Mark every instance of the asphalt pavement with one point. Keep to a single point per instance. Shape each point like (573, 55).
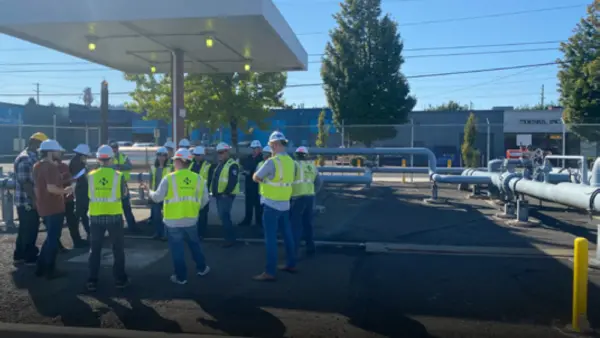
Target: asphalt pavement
(464, 274)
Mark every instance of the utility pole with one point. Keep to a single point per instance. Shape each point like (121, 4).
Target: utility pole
(37, 92)
(542, 97)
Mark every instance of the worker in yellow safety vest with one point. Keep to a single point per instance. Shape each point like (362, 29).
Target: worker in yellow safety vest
(183, 194)
(160, 169)
(277, 176)
(225, 186)
(122, 163)
(202, 167)
(303, 199)
(106, 190)
(266, 153)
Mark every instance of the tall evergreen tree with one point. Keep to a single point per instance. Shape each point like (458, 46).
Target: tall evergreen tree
(361, 71)
(470, 154)
(322, 136)
(579, 76)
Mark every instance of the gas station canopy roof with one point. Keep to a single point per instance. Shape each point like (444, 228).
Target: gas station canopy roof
(133, 36)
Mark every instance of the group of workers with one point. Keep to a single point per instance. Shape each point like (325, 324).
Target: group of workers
(279, 192)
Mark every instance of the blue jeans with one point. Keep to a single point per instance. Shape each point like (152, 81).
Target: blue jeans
(301, 216)
(157, 219)
(272, 220)
(131, 223)
(47, 259)
(177, 238)
(224, 205)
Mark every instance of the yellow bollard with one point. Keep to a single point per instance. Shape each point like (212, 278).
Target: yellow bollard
(403, 174)
(449, 163)
(580, 285)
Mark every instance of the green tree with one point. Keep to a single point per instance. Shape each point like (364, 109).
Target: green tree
(470, 154)
(213, 101)
(579, 76)
(322, 136)
(538, 106)
(449, 106)
(361, 71)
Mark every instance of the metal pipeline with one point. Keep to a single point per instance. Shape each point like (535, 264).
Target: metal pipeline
(380, 151)
(461, 179)
(582, 162)
(595, 179)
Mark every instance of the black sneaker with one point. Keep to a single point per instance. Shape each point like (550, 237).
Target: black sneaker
(122, 284)
(56, 274)
(91, 286)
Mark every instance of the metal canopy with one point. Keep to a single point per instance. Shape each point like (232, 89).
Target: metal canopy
(134, 35)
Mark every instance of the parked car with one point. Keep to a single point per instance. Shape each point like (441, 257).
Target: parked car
(144, 144)
(124, 143)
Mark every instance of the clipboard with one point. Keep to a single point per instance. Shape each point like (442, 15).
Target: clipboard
(79, 174)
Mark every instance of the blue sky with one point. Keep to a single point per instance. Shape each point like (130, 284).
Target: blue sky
(484, 90)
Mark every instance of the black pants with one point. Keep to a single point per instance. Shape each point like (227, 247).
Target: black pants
(81, 212)
(72, 222)
(203, 221)
(253, 207)
(116, 235)
(29, 226)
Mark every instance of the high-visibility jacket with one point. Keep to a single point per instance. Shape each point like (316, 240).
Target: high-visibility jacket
(104, 191)
(185, 192)
(280, 187)
(224, 178)
(204, 169)
(260, 164)
(121, 161)
(304, 180)
(156, 180)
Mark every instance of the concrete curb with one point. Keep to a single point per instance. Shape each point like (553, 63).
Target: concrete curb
(47, 331)
(534, 252)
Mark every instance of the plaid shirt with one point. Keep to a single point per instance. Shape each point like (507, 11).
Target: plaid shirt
(23, 168)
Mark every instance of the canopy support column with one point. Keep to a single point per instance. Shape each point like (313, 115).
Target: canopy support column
(177, 92)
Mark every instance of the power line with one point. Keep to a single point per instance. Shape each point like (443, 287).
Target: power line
(468, 18)
(508, 51)
(53, 70)
(484, 70)
(510, 44)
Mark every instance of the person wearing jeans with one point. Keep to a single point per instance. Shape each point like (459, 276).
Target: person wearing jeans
(275, 178)
(201, 166)
(225, 186)
(106, 190)
(183, 193)
(50, 202)
(303, 197)
(26, 251)
(158, 172)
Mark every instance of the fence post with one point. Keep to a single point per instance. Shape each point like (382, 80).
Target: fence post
(488, 141)
(87, 135)
(54, 126)
(20, 133)
(412, 145)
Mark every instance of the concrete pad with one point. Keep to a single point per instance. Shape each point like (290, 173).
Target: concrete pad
(135, 258)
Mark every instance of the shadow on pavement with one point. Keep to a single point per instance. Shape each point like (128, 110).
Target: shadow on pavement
(340, 292)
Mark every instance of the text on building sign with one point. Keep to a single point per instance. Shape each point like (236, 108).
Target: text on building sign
(540, 121)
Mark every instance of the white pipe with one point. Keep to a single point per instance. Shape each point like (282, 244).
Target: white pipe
(595, 180)
(583, 164)
(461, 179)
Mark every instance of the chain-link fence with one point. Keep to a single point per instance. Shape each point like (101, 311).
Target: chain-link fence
(444, 140)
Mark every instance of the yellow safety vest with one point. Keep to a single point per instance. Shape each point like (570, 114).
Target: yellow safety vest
(156, 180)
(120, 161)
(204, 169)
(260, 164)
(104, 191)
(224, 178)
(304, 182)
(185, 192)
(280, 187)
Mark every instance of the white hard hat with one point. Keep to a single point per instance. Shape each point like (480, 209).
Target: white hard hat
(104, 152)
(266, 149)
(199, 150)
(184, 142)
(82, 149)
(277, 136)
(223, 146)
(302, 150)
(169, 144)
(162, 150)
(255, 144)
(50, 145)
(182, 154)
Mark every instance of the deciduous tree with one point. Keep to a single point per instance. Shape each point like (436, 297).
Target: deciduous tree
(361, 71)
(579, 76)
(449, 106)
